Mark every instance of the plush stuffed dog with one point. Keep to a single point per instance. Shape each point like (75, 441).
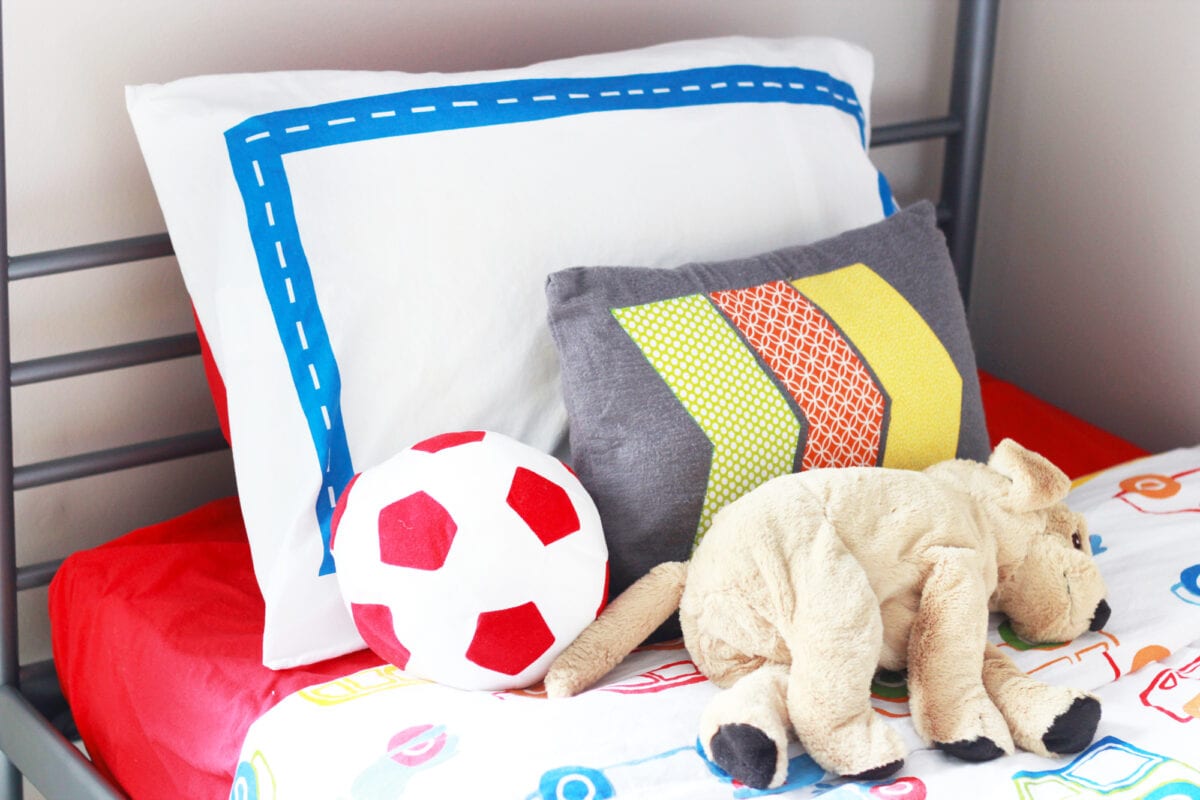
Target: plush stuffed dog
(804, 587)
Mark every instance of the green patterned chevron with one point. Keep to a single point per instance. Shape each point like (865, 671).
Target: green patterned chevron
(753, 430)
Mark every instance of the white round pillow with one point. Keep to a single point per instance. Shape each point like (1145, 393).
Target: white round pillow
(470, 559)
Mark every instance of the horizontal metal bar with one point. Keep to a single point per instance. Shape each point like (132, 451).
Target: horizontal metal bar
(44, 755)
(58, 470)
(101, 254)
(934, 128)
(39, 683)
(32, 576)
(85, 362)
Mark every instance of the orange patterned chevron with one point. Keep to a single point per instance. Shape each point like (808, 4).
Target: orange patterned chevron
(844, 406)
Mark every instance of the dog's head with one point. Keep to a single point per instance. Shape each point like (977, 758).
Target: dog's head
(1052, 591)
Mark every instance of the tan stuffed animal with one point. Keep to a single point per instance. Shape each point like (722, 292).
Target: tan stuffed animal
(807, 585)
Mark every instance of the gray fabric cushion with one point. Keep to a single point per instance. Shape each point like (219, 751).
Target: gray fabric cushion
(687, 387)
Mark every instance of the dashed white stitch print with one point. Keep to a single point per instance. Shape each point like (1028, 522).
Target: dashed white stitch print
(303, 338)
(325, 415)
(279, 252)
(312, 370)
(543, 98)
(270, 214)
(287, 282)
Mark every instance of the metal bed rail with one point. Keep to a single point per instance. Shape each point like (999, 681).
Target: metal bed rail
(30, 697)
(30, 743)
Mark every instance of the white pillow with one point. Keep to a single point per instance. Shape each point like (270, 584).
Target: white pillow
(366, 252)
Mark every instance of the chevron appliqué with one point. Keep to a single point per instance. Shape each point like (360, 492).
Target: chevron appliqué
(753, 431)
(870, 381)
(841, 400)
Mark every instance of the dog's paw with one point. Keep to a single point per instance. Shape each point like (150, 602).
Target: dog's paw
(1050, 720)
(746, 753)
(972, 729)
(978, 749)
(1073, 729)
(878, 773)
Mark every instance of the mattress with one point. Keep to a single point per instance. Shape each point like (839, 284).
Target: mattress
(157, 640)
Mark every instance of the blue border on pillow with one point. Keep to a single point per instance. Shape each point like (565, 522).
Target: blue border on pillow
(257, 146)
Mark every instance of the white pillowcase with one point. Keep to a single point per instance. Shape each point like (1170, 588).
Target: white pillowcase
(366, 251)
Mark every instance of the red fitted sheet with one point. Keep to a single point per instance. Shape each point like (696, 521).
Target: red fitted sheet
(157, 635)
(158, 644)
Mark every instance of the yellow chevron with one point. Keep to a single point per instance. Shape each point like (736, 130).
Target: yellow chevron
(917, 374)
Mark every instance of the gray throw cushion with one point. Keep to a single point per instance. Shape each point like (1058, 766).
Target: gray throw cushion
(687, 387)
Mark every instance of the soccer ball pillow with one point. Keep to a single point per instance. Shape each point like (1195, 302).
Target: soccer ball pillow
(470, 559)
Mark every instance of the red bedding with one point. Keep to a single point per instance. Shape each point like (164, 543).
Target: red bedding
(158, 644)
(157, 635)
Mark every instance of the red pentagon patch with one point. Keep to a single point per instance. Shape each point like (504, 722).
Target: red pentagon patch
(340, 509)
(511, 639)
(374, 623)
(543, 504)
(445, 441)
(415, 531)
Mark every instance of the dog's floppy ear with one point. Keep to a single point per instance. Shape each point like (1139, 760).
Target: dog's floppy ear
(1037, 483)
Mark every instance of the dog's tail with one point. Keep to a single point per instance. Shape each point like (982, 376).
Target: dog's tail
(621, 627)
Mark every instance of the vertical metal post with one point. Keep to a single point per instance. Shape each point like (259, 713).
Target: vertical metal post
(10, 779)
(974, 49)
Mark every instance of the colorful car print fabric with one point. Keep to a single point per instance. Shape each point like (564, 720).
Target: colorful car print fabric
(380, 734)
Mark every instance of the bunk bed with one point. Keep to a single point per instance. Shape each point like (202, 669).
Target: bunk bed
(37, 725)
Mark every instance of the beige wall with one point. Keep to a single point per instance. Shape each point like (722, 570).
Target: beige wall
(1088, 260)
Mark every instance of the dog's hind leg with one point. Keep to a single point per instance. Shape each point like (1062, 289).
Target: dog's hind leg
(744, 729)
(834, 633)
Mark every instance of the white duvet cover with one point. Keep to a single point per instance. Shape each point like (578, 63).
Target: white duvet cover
(380, 734)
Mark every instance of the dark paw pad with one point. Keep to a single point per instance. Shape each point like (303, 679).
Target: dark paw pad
(878, 773)
(746, 753)
(978, 749)
(1073, 729)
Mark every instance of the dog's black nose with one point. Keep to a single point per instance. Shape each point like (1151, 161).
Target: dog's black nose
(1101, 617)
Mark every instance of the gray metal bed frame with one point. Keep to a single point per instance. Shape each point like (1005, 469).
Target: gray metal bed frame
(30, 743)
